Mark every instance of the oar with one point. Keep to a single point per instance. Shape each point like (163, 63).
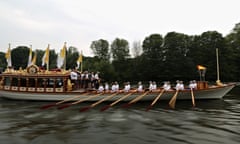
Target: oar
(98, 102)
(193, 99)
(135, 100)
(112, 104)
(155, 100)
(173, 100)
(55, 104)
(79, 101)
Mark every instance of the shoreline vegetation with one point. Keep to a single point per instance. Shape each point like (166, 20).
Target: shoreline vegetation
(157, 58)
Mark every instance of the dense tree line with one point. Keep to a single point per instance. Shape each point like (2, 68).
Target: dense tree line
(174, 56)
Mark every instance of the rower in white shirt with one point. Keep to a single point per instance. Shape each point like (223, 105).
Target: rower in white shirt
(167, 86)
(140, 87)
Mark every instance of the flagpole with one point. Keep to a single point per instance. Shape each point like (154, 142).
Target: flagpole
(217, 64)
(9, 61)
(65, 59)
(81, 63)
(30, 56)
(218, 82)
(48, 57)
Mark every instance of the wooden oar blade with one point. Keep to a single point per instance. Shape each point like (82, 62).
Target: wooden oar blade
(172, 104)
(193, 98)
(173, 100)
(85, 108)
(148, 108)
(105, 107)
(48, 106)
(64, 106)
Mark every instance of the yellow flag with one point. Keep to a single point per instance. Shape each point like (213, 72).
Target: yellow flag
(34, 59)
(45, 58)
(61, 59)
(30, 56)
(8, 53)
(63, 51)
(8, 57)
(79, 60)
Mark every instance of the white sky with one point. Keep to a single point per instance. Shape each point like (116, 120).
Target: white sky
(79, 22)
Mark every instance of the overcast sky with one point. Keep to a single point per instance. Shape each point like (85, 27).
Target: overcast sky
(79, 22)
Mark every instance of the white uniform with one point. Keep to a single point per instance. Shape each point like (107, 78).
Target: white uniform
(179, 86)
(106, 87)
(154, 86)
(113, 88)
(166, 86)
(140, 88)
(100, 89)
(73, 75)
(127, 88)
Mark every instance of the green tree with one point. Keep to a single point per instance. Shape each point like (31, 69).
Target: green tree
(120, 49)
(233, 47)
(203, 51)
(3, 62)
(100, 49)
(150, 63)
(72, 56)
(176, 62)
(20, 57)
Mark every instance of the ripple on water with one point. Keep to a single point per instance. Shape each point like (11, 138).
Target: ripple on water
(209, 122)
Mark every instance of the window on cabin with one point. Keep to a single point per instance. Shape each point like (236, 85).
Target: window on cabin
(31, 82)
(59, 82)
(7, 81)
(23, 82)
(14, 82)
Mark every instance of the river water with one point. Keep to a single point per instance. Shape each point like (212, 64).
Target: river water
(210, 122)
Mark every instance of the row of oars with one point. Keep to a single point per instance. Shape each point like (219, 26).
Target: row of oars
(172, 102)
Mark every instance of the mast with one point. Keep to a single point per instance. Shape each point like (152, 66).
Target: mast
(218, 79)
(65, 58)
(47, 55)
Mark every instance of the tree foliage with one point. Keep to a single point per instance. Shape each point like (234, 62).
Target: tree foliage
(120, 49)
(100, 49)
(174, 56)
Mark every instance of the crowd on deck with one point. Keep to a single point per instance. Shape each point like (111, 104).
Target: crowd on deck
(91, 80)
(86, 80)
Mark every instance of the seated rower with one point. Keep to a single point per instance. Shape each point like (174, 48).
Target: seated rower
(150, 86)
(179, 85)
(100, 88)
(140, 87)
(115, 87)
(106, 87)
(192, 84)
(167, 86)
(127, 87)
(154, 86)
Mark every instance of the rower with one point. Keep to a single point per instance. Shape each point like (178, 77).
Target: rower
(140, 87)
(100, 88)
(167, 86)
(150, 86)
(127, 87)
(193, 84)
(179, 85)
(154, 86)
(106, 87)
